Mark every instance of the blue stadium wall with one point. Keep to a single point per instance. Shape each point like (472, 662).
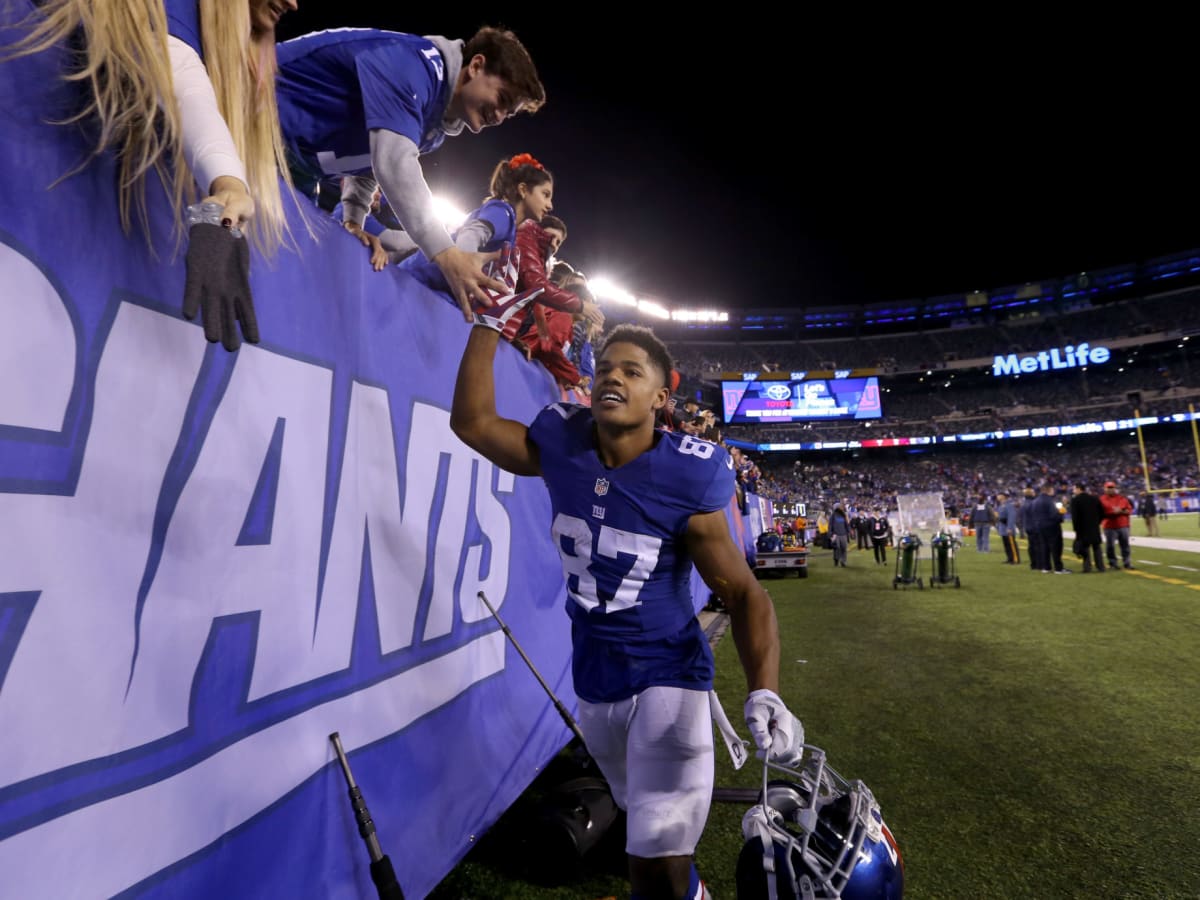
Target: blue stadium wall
(210, 561)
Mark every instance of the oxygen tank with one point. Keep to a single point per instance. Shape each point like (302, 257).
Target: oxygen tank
(941, 543)
(908, 557)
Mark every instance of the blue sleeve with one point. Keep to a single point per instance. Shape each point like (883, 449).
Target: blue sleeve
(183, 22)
(587, 360)
(500, 215)
(373, 226)
(720, 487)
(548, 432)
(398, 86)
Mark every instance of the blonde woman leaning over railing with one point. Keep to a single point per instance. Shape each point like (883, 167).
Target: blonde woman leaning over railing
(184, 89)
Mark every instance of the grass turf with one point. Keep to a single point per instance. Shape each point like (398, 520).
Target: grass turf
(1183, 526)
(1027, 735)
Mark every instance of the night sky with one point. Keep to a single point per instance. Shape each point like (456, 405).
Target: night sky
(843, 160)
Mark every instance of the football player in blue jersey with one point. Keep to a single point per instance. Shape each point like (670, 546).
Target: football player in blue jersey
(365, 102)
(634, 508)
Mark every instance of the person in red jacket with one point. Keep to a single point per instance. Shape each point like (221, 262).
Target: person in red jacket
(547, 330)
(1117, 510)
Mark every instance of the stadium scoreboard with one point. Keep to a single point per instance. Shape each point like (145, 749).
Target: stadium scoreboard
(754, 402)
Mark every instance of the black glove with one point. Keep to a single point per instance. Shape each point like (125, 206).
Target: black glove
(218, 285)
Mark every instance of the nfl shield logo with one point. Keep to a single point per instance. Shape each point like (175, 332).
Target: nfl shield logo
(601, 487)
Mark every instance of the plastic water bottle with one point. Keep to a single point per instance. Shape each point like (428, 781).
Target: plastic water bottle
(208, 212)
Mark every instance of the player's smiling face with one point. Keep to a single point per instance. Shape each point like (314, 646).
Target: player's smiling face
(629, 388)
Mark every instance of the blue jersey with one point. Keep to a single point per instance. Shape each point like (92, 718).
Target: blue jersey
(622, 536)
(335, 86)
(503, 221)
(183, 22)
(587, 360)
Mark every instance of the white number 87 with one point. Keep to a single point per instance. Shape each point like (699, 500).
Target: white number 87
(612, 541)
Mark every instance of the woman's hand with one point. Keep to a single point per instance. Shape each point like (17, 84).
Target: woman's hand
(234, 197)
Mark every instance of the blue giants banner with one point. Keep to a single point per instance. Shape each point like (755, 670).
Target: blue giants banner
(210, 561)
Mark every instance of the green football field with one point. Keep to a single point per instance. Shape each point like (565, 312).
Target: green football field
(1027, 735)
(1185, 526)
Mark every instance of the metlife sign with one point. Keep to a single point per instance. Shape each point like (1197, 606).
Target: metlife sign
(1069, 357)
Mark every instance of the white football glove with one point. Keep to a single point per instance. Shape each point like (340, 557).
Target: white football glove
(773, 728)
(496, 317)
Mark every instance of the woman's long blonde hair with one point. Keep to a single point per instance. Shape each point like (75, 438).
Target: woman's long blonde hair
(131, 101)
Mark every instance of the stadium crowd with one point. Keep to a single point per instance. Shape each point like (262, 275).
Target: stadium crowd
(980, 338)
(873, 479)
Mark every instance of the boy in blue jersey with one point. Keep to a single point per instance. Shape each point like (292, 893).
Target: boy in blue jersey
(359, 101)
(634, 508)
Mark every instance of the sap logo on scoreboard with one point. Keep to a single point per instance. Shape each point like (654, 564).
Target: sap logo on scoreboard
(778, 391)
(1070, 357)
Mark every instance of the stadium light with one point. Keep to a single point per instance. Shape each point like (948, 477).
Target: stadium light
(654, 309)
(448, 213)
(604, 289)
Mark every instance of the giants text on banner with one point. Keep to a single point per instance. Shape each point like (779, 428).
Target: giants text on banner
(211, 561)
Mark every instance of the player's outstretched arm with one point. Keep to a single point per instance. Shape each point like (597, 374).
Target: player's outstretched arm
(752, 616)
(474, 418)
(775, 730)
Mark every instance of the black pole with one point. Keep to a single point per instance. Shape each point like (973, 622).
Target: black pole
(558, 704)
(724, 795)
(382, 872)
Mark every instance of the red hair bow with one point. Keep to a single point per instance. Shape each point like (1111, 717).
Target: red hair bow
(524, 159)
